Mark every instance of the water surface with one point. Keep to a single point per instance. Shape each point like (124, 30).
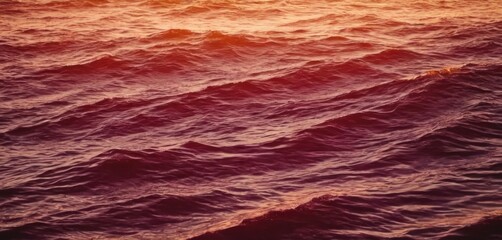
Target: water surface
(166, 119)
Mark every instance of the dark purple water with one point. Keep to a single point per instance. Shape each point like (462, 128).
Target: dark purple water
(162, 119)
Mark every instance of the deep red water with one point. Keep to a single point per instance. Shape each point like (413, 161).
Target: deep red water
(170, 119)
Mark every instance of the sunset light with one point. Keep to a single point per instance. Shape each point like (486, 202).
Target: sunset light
(251, 120)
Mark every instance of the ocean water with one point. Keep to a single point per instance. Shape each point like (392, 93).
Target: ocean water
(250, 120)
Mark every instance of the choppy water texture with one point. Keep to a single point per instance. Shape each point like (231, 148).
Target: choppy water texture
(170, 119)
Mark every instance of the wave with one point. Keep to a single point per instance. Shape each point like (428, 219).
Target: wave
(391, 56)
(478, 47)
(456, 137)
(39, 47)
(329, 19)
(205, 7)
(105, 63)
(168, 209)
(172, 34)
(157, 59)
(74, 4)
(127, 168)
(302, 222)
(329, 217)
(485, 228)
(216, 39)
(412, 106)
(127, 64)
